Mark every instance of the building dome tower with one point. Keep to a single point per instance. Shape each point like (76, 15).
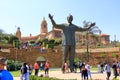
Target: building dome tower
(18, 33)
(43, 27)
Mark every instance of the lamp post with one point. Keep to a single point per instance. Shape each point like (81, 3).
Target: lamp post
(115, 40)
(87, 46)
(16, 45)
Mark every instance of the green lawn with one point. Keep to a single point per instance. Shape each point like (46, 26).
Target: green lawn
(17, 73)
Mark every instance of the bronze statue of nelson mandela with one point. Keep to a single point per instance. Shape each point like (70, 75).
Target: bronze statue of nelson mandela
(68, 38)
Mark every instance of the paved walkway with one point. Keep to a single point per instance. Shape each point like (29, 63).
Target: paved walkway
(70, 76)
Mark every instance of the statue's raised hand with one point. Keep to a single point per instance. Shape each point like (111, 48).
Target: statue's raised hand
(50, 16)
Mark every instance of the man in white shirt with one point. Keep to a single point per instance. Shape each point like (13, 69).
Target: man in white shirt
(88, 67)
(108, 71)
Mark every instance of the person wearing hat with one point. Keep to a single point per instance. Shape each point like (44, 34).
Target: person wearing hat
(4, 74)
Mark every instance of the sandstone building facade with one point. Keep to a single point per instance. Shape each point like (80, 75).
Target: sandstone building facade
(57, 33)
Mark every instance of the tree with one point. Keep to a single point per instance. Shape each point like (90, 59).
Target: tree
(12, 38)
(92, 30)
(1, 35)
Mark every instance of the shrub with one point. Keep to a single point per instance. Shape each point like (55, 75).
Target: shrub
(14, 65)
(50, 46)
(115, 55)
(32, 77)
(103, 55)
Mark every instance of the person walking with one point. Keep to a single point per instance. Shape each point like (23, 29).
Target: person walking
(108, 71)
(80, 65)
(75, 67)
(68, 38)
(118, 68)
(88, 67)
(30, 69)
(65, 67)
(114, 67)
(36, 68)
(47, 66)
(84, 73)
(99, 67)
(24, 74)
(4, 74)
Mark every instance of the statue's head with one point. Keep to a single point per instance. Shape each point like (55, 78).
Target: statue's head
(69, 18)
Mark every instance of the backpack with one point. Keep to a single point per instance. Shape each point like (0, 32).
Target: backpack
(25, 69)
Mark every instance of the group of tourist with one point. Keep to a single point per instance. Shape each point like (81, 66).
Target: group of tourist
(116, 68)
(102, 68)
(106, 68)
(43, 66)
(84, 69)
(28, 46)
(26, 69)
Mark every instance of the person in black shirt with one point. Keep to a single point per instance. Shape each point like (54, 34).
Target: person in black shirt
(114, 67)
(84, 73)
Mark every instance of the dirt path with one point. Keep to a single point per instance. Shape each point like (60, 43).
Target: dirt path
(69, 76)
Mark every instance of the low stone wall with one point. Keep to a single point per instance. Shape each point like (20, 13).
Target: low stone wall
(55, 57)
(31, 56)
(96, 57)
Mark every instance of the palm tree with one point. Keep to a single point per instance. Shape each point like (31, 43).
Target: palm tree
(92, 31)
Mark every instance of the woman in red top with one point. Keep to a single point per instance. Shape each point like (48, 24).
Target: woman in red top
(47, 66)
(36, 68)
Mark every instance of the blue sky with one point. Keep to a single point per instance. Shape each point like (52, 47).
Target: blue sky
(28, 14)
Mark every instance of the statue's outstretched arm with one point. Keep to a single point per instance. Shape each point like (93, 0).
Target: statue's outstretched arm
(59, 26)
(51, 18)
(85, 29)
